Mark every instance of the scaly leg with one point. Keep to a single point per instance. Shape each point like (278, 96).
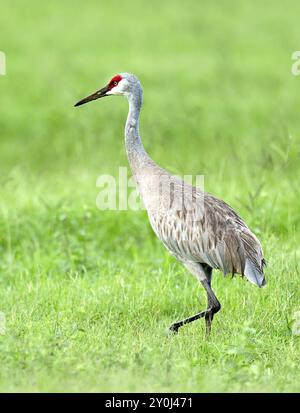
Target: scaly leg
(203, 273)
(213, 306)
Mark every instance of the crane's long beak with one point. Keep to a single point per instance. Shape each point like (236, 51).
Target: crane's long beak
(99, 94)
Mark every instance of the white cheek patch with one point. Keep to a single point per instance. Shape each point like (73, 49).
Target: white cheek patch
(114, 91)
(119, 89)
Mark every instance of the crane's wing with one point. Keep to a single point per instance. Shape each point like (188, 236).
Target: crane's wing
(207, 230)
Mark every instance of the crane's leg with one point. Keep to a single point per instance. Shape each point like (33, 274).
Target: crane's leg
(203, 274)
(213, 305)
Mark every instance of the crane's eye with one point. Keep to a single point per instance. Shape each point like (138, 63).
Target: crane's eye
(115, 83)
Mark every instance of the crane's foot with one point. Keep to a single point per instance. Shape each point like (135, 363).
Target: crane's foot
(175, 326)
(208, 314)
(208, 320)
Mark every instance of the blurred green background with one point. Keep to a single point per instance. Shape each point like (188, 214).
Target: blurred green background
(88, 294)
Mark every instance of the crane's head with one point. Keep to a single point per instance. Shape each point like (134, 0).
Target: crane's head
(123, 84)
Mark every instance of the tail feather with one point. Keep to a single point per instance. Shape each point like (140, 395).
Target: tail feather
(254, 274)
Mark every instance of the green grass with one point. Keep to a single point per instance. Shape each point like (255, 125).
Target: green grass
(88, 294)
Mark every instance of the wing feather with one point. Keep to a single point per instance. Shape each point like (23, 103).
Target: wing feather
(216, 236)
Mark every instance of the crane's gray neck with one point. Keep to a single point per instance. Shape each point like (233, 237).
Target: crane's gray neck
(136, 153)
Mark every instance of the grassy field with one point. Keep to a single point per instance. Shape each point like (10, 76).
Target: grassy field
(87, 294)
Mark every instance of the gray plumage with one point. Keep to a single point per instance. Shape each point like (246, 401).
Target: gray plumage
(201, 231)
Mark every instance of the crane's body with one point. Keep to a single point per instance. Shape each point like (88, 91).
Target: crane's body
(201, 231)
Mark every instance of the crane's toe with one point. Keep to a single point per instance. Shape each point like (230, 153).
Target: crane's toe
(174, 328)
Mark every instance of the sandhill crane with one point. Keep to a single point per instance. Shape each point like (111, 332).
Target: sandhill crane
(202, 232)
